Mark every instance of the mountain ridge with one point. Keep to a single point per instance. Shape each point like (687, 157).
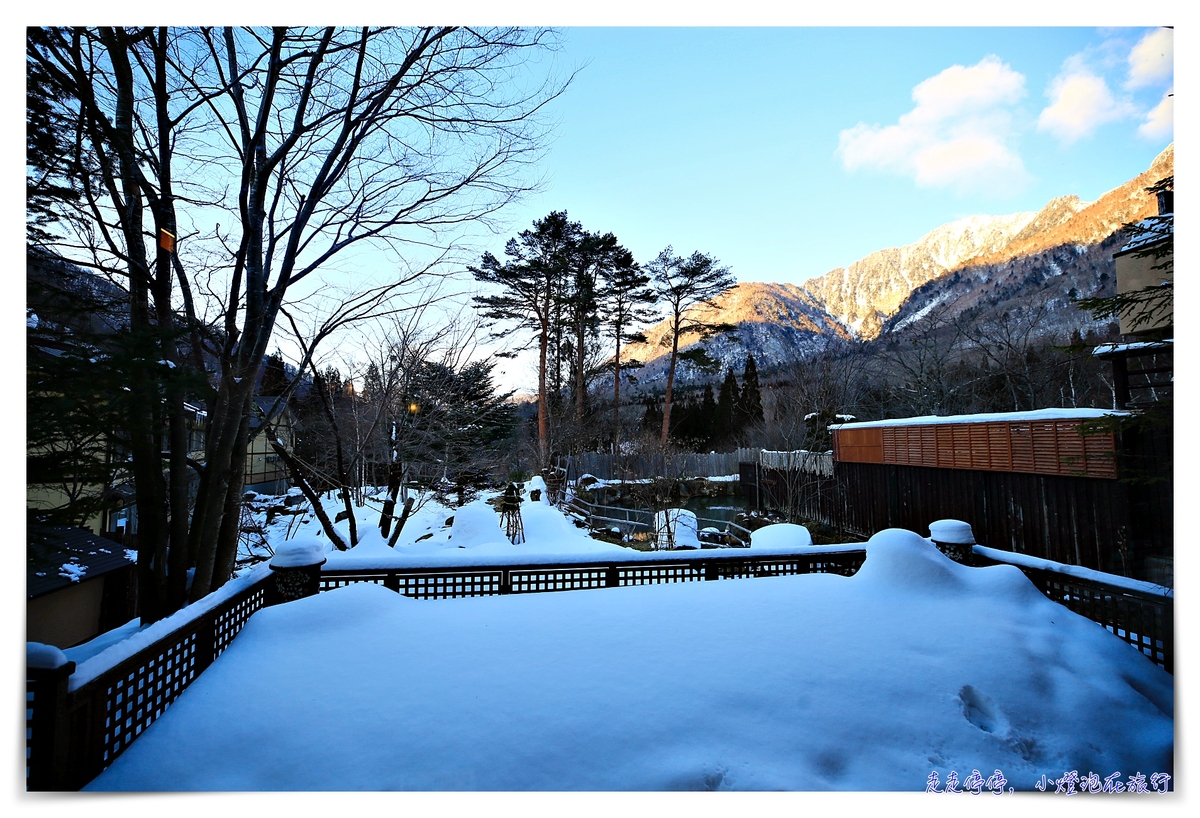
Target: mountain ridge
(876, 293)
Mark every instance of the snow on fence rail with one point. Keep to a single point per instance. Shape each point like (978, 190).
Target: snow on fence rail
(76, 727)
(1139, 613)
(640, 568)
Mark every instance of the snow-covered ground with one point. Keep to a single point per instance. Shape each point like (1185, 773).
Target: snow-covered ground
(871, 682)
(475, 533)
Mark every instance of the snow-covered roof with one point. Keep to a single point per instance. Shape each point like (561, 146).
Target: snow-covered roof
(58, 556)
(1150, 231)
(987, 417)
(1135, 346)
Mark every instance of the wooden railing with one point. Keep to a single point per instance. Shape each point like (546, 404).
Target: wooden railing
(448, 583)
(72, 735)
(1144, 620)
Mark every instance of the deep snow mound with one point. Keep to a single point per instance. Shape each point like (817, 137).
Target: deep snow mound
(476, 524)
(780, 535)
(899, 558)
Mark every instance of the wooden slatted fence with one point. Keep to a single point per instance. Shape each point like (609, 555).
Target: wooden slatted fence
(1056, 447)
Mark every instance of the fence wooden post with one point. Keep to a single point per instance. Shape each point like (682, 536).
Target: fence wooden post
(47, 720)
(612, 578)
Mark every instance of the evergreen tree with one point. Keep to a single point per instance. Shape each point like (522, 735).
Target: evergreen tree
(685, 422)
(708, 413)
(533, 281)
(681, 284)
(749, 408)
(593, 259)
(725, 422)
(274, 378)
(653, 417)
(373, 385)
(625, 302)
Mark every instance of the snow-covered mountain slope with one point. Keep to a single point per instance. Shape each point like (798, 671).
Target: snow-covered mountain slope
(868, 292)
(773, 322)
(1051, 266)
(1056, 253)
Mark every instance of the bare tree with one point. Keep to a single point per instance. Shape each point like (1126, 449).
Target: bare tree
(222, 169)
(917, 369)
(1010, 344)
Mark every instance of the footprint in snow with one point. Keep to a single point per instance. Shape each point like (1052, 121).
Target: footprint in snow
(981, 711)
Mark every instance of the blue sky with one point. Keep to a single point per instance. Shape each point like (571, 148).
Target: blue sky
(787, 152)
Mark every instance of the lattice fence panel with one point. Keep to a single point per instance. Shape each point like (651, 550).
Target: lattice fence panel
(227, 623)
(557, 579)
(655, 574)
(30, 704)
(328, 583)
(139, 696)
(1139, 623)
(450, 586)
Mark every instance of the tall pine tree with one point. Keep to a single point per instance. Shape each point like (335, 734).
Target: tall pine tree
(749, 408)
(725, 424)
(684, 283)
(532, 282)
(625, 303)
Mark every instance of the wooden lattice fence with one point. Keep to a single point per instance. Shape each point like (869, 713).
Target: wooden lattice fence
(72, 735)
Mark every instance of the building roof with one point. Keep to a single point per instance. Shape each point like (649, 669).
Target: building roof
(1133, 348)
(58, 556)
(987, 417)
(1148, 232)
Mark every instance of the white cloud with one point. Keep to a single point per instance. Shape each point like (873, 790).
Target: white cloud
(1080, 102)
(957, 135)
(1152, 60)
(1160, 122)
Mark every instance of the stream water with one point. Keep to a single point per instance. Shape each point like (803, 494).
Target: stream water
(720, 509)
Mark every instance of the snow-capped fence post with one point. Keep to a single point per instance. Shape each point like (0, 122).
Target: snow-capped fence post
(297, 571)
(47, 726)
(955, 539)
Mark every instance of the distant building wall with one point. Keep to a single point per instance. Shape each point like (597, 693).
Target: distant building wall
(1136, 271)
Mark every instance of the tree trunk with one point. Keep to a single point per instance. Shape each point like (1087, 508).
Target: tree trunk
(579, 390)
(666, 427)
(145, 417)
(616, 433)
(408, 504)
(543, 412)
(231, 523)
(314, 499)
(389, 505)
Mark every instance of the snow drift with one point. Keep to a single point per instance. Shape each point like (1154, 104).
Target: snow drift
(916, 664)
